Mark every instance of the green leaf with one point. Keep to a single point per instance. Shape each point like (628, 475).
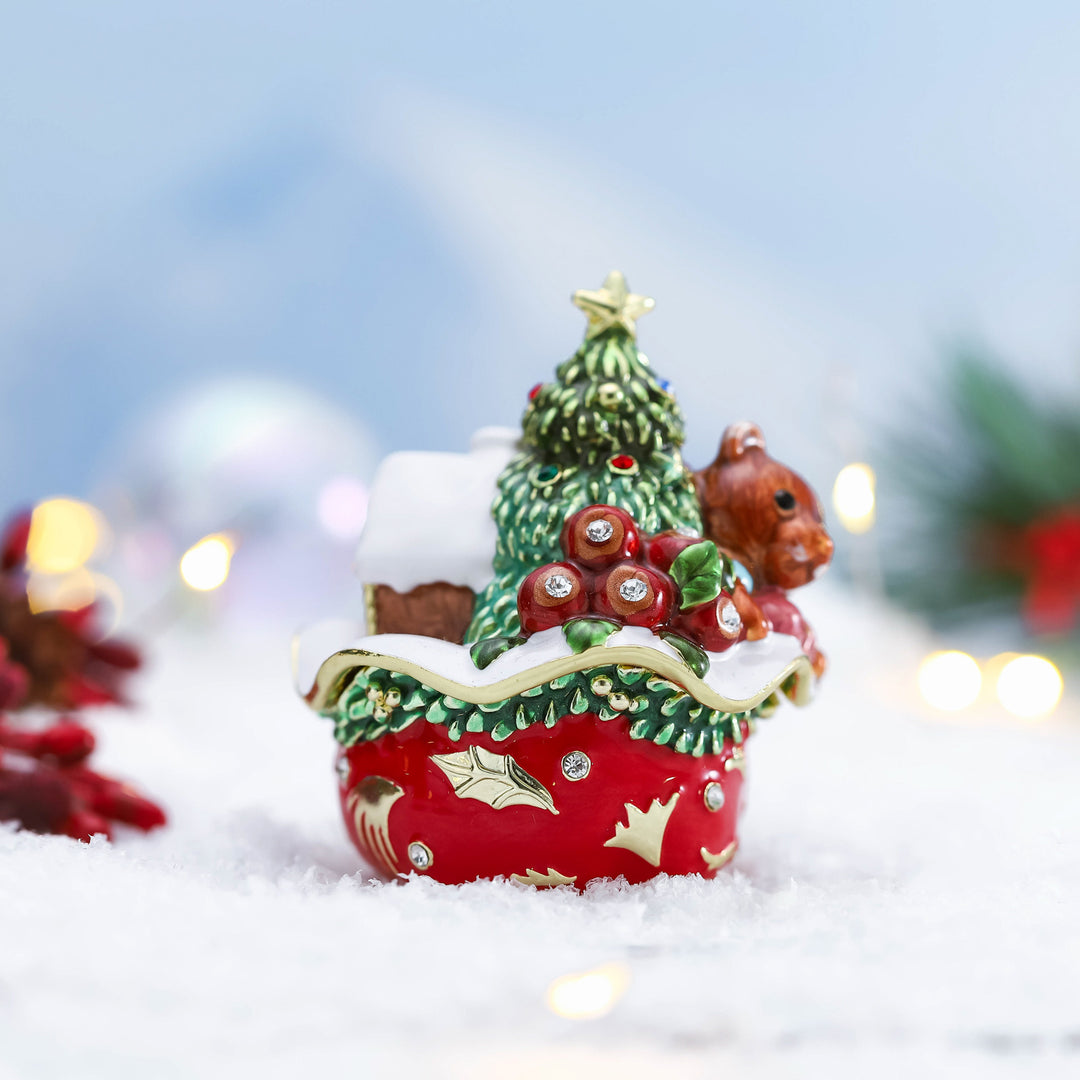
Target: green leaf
(416, 700)
(582, 634)
(673, 704)
(437, 712)
(694, 656)
(483, 652)
(698, 571)
(579, 703)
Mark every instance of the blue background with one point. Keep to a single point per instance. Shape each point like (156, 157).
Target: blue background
(389, 204)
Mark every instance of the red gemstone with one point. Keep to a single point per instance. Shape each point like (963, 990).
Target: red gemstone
(623, 461)
(535, 390)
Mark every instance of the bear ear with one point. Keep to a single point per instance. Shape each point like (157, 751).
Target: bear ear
(738, 438)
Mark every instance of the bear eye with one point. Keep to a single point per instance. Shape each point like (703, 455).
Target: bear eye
(784, 500)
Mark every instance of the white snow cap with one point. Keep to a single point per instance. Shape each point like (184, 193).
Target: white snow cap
(742, 672)
(429, 517)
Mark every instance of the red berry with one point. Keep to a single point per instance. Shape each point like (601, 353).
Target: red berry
(39, 800)
(66, 741)
(550, 596)
(664, 548)
(600, 536)
(635, 595)
(84, 825)
(714, 625)
(535, 390)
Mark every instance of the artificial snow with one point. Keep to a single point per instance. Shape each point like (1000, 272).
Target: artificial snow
(429, 515)
(904, 903)
(747, 670)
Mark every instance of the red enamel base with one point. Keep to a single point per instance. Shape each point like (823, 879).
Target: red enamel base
(467, 838)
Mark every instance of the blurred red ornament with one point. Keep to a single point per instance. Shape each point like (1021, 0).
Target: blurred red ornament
(1052, 600)
(51, 660)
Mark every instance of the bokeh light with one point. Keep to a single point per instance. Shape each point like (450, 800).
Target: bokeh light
(342, 507)
(949, 680)
(854, 498)
(588, 994)
(1030, 686)
(61, 592)
(205, 565)
(63, 535)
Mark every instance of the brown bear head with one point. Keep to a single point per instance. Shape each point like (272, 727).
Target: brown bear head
(761, 513)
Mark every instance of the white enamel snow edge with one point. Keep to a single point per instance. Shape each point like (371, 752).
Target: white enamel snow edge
(739, 674)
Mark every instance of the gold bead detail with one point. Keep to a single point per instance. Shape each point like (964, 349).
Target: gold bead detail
(610, 395)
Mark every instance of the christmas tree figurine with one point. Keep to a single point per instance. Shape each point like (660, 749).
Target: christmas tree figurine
(607, 430)
(559, 685)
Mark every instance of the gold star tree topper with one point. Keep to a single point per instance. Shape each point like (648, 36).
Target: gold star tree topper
(612, 305)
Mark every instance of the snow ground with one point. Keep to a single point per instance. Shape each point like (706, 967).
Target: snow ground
(905, 902)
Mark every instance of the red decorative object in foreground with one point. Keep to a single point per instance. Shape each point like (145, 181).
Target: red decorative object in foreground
(630, 626)
(50, 660)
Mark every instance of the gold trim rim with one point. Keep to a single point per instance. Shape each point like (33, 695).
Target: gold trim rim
(336, 671)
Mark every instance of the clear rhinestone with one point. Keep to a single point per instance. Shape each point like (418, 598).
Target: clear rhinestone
(686, 530)
(729, 618)
(576, 765)
(599, 531)
(558, 586)
(714, 796)
(633, 589)
(420, 855)
(343, 769)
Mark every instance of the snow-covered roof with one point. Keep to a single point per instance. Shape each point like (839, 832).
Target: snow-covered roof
(429, 515)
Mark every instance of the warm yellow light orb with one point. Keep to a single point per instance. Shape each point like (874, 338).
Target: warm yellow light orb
(67, 592)
(63, 535)
(205, 565)
(854, 498)
(589, 994)
(949, 680)
(1030, 686)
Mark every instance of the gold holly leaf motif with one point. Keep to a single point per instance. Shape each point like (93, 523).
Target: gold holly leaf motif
(370, 803)
(736, 761)
(552, 877)
(716, 861)
(495, 779)
(643, 834)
